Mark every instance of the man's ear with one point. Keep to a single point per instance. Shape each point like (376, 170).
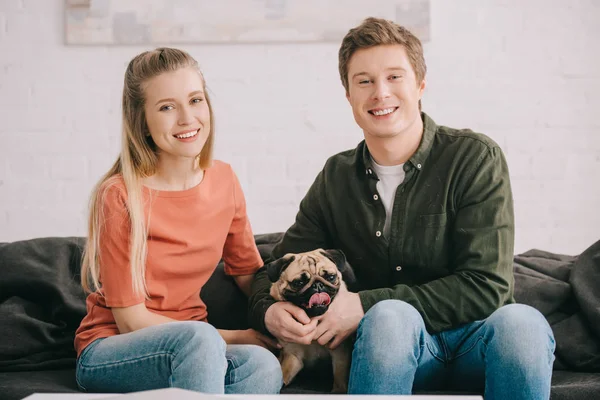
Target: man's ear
(339, 259)
(275, 268)
(422, 87)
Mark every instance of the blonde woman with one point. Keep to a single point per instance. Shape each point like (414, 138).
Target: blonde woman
(160, 221)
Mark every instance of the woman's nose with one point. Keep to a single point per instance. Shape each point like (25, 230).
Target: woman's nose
(185, 116)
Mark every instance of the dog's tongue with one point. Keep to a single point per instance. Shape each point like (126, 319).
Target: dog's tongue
(319, 299)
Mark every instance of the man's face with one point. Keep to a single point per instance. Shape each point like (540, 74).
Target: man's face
(383, 90)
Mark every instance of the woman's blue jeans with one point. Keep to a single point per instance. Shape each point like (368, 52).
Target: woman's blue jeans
(509, 355)
(188, 355)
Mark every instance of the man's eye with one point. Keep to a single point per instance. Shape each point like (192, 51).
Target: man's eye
(363, 82)
(396, 77)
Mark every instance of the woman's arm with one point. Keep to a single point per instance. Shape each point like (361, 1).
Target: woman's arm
(130, 319)
(244, 282)
(136, 317)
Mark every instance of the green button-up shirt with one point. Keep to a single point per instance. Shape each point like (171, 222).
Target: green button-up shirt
(450, 248)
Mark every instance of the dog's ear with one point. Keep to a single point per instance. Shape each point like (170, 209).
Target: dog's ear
(336, 256)
(339, 259)
(275, 268)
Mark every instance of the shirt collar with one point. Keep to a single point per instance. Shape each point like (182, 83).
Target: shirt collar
(418, 159)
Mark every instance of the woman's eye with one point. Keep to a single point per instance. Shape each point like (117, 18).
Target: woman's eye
(197, 100)
(166, 108)
(396, 76)
(363, 82)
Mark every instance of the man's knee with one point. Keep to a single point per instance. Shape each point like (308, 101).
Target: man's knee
(390, 335)
(391, 329)
(522, 332)
(392, 316)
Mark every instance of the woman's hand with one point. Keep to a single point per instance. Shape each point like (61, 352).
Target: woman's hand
(249, 336)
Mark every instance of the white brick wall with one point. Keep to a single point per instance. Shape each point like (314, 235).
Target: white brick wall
(527, 73)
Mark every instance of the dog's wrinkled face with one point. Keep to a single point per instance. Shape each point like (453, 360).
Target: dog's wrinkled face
(309, 280)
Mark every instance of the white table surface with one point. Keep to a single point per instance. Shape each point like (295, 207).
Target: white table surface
(180, 394)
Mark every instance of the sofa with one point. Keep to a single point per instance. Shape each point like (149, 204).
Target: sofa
(42, 303)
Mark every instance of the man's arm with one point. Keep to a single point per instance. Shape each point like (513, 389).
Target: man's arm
(482, 243)
(307, 233)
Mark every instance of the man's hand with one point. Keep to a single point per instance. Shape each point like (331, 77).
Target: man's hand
(290, 323)
(341, 320)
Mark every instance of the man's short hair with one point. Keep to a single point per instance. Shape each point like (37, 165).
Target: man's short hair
(374, 32)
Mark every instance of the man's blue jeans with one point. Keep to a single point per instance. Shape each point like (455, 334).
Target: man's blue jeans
(188, 355)
(509, 355)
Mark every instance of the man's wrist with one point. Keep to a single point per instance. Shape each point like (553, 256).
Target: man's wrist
(262, 325)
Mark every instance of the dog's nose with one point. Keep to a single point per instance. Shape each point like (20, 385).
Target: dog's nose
(319, 286)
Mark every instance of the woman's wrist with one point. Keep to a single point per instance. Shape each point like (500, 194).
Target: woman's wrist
(230, 337)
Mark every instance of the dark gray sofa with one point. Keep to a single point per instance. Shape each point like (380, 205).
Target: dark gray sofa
(41, 304)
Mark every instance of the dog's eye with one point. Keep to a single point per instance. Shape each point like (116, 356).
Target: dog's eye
(297, 283)
(331, 277)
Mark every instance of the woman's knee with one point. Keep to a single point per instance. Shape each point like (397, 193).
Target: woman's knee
(199, 336)
(260, 366)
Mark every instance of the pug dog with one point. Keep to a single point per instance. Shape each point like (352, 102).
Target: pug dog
(311, 281)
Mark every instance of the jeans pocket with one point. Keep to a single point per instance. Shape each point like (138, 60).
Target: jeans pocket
(471, 346)
(434, 350)
(80, 360)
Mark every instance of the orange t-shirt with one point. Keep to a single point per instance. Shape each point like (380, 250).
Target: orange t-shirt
(189, 232)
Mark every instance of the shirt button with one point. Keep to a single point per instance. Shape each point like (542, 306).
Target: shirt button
(398, 268)
(419, 166)
(375, 197)
(378, 233)
(369, 171)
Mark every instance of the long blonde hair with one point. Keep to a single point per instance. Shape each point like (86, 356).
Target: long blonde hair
(138, 159)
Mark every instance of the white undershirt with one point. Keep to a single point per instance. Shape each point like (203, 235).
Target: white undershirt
(389, 179)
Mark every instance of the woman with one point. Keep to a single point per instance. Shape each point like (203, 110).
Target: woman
(160, 221)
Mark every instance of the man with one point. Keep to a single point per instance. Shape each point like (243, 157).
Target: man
(424, 214)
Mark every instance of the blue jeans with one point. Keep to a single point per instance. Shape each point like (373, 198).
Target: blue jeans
(509, 355)
(188, 355)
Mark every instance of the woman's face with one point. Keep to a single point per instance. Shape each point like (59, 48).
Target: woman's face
(177, 113)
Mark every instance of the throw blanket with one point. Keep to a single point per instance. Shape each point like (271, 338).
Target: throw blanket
(42, 303)
(567, 291)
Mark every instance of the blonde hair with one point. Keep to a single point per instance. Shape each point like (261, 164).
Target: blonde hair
(138, 159)
(374, 32)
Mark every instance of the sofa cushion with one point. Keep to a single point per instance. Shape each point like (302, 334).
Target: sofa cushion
(17, 385)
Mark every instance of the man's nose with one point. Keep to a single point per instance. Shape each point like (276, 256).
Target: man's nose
(381, 90)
